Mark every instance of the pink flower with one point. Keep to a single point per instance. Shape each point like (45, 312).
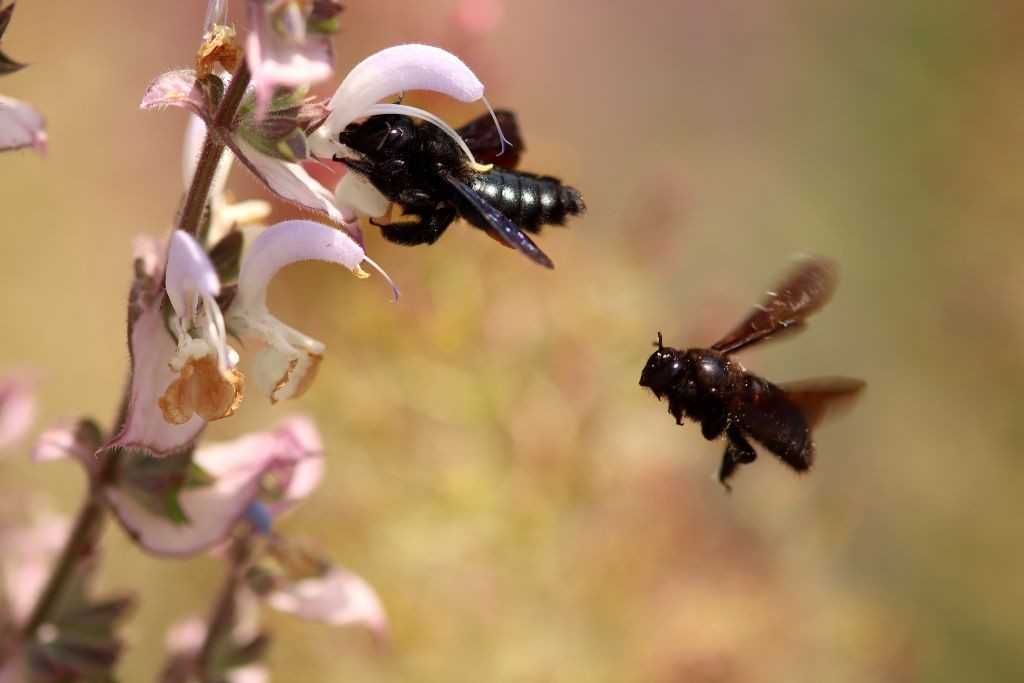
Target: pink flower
(286, 360)
(17, 408)
(282, 51)
(336, 598)
(20, 125)
(183, 379)
(26, 554)
(278, 467)
(151, 348)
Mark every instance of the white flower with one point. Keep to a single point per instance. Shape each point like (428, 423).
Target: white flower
(390, 72)
(386, 73)
(286, 360)
(208, 383)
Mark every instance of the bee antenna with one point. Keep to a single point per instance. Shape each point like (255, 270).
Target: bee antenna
(659, 343)
(501, 136)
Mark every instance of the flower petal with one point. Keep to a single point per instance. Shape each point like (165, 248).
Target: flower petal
(337, 598)
(356, 191)
(20, 126)
(77, 439)
(397, 69)
(17, 408)
(240, 469)
(299, 438)
(174, 89)
(189, 272)
(286, 243)
(281, 53)
(25, 557)
(291, 182)
(283, 371)
(151, 346)
(202, 388)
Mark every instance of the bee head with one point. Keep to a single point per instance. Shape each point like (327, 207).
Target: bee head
(379, 136)
(663, 369)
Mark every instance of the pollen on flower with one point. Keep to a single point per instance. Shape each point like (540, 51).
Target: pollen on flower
(202, 388)
(219, 47)
(297, 377)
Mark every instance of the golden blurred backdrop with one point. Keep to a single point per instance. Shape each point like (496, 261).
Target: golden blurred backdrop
(525, 510)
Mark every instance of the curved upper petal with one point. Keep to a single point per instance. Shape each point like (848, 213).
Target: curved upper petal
(286, 243)
(397, 69)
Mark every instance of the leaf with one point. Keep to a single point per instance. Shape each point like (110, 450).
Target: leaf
(8, 65)
(5, 18)
(176, 89)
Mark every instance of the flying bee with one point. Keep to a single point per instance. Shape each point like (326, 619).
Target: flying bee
(429, 175)
(708, 386)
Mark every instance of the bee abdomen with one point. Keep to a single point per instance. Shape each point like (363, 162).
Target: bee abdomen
(529, 201)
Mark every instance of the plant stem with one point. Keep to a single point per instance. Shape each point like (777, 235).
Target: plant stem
(222, 615)
(213, 149)
(79, 543)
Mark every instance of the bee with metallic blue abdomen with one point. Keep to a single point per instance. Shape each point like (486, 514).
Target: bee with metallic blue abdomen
(429, 175)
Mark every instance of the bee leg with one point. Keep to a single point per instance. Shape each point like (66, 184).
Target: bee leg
(361, 167)
(737, 452)
(714, 424)
(675, 408)
(426, 229)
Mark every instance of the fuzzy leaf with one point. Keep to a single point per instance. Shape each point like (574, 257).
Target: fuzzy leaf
(176, 89)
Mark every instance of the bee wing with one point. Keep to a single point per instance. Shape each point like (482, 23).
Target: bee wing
(501, 225)
(823, 396)
(803, 291)
(481, 136)
(781, 417)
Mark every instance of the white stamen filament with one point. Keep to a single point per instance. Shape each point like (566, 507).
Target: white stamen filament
(391, 283)
(415, 112)
(494, 117)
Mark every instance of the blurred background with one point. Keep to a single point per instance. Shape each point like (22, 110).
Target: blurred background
(525, 510)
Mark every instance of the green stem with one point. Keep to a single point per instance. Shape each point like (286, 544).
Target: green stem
(222, 615)
(213, 148)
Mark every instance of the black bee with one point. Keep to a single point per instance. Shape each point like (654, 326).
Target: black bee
(423, 170)
(708, 386)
